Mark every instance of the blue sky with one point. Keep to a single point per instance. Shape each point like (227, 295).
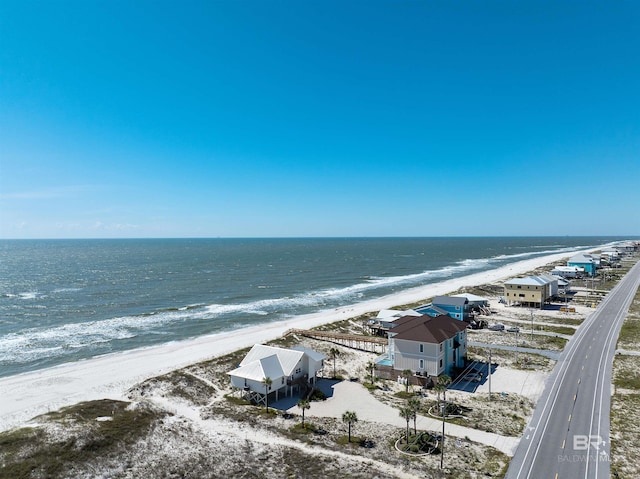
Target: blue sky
(333, 118)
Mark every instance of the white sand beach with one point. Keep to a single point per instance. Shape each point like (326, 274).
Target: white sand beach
(26, 395)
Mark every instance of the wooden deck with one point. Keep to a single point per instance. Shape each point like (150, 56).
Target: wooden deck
(374, 344)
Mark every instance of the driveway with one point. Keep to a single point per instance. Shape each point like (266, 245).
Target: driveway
(352, 396)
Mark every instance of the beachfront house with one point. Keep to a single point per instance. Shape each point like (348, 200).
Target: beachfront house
(563, 285)
(553, 284)
(461, 306)
(568, 271)
(386, 318)
(290, 371)
(585, 261)
(453, 306)
(426, 346)
(533, 291)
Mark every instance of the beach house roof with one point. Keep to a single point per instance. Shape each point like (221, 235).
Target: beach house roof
(390, 314)
(261, 368)
(287, 358)
(449, 300)
(581, 258)
(314, 355)
(528, 281)
(472, 298)
(426, 329)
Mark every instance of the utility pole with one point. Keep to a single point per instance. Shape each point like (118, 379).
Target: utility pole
(444, 412)
(489, 373)
(531, 311)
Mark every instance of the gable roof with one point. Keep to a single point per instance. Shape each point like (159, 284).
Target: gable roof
(387, 314)
(581, 258)
(287, 358)
(259, 369)
(529, 281)
(470, 297)
(313, 355)
(568, 269)
(430, 308)
(426, 329)
(549, 277)
(449, 301)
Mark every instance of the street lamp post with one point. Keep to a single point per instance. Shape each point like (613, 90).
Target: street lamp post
(443, 408)
(489, 374)
(531, 311)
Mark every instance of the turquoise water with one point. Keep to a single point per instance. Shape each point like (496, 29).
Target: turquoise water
(67, 300)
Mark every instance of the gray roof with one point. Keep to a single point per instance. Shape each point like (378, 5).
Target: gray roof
(449, 301)
(581, 258)
(529, 281)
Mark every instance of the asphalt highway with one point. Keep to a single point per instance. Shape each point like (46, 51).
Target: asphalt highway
(568, 435)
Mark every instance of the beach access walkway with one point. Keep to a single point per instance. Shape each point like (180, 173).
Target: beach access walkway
(374, 344)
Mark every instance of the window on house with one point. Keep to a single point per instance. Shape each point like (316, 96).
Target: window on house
(421, 364)
(422, 348)
(440, 347)
(441, 363)
(298, 371)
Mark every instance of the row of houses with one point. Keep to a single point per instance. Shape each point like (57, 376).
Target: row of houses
(425, 345)
(588, 264)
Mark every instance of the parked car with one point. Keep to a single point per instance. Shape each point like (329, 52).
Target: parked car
(475, 376)
(513, 329)
(497, 327)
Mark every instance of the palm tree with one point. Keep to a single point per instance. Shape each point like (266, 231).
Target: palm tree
(407, 374)
(407, 414)
(444, 381)
(350, 418)
(303, 404)
(439, 388)
(371, 367)
(267, 385)
(334, 353)
(414, 404)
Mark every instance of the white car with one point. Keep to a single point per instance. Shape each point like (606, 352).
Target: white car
(497, 327)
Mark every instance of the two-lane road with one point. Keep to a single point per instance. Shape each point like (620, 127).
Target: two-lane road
(568, 435)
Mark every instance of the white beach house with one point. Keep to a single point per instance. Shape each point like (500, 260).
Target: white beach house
(290, 370)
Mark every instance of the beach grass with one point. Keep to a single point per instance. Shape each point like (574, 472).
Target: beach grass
(77, 437)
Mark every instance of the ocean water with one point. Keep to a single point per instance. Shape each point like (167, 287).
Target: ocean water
(67, 300)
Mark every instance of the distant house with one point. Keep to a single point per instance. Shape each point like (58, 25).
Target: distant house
(386, 318)
(563, 284)
(553, 284)
(450, 305)
(290, 370)
(427, 346)
(585, 261)
(532, 291)
(473, 300)
(568, 271)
